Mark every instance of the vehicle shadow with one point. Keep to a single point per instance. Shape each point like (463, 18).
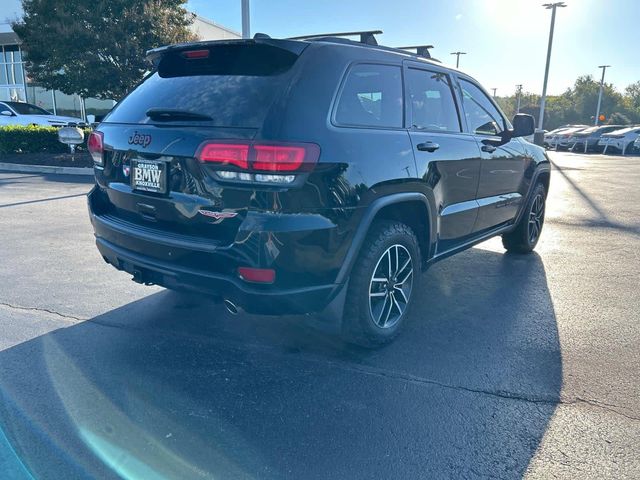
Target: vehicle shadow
(172, 386)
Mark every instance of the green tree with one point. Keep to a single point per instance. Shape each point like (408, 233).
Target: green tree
(619, 119)
(633, 94)
(585, 99)
(632, 101)
(97, 49)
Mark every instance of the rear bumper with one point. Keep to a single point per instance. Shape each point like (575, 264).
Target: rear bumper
(306, 278)
(271, 301)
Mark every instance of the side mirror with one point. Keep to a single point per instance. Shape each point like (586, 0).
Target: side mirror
(6, 113)
(523, 125)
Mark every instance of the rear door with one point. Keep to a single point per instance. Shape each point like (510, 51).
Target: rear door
(502, 188)
(447, 159)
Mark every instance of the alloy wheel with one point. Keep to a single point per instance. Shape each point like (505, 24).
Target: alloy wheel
(536, 218)
(390, 286)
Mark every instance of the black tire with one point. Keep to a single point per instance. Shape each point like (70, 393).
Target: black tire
(525, 236)
(368, 321)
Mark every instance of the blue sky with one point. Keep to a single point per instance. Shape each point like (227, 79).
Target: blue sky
(506, 40)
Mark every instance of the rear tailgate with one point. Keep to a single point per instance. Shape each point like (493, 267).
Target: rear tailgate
(150, 173)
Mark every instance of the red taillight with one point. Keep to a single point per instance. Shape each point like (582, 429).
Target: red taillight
(225, 153)
(257, 275)
(195, 54)
(95, 145)
(261, 157)
(277, 158)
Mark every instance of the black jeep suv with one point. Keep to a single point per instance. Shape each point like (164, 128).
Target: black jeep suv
(318, 175)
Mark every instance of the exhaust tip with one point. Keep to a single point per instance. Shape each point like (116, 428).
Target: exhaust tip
(231, 307)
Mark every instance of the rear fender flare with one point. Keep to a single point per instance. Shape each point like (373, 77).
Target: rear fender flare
(368, 218)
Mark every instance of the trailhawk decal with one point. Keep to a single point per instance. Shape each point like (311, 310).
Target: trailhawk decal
(217, 215)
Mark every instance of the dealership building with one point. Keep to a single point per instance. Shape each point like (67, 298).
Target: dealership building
(15, 84)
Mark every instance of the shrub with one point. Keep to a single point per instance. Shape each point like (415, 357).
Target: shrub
(33, 139)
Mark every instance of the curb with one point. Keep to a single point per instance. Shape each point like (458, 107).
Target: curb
(17, 167)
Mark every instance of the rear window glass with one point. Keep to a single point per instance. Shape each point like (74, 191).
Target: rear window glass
(235, 86)
(371, 97)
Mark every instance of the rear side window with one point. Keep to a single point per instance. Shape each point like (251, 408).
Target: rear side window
(371, 97)
(235, 86)
(483, 118)
(431, 101)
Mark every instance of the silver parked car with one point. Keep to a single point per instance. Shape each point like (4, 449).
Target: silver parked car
(20, 113)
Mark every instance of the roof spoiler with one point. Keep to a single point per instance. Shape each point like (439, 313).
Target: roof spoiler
(153, 56)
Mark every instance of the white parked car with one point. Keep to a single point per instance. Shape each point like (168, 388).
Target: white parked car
(561, 139)
(20, 113)
(552, 138)
(620, 139)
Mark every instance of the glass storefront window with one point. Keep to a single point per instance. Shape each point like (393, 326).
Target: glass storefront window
(11, 70)
(19, 73)
(12, 88)
(12, 94)
(17, 95)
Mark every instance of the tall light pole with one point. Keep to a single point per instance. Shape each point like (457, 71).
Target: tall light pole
(604, 69)
(494, 92)
(519, 95)
(457, 54)
(543, 99)
(246, 24)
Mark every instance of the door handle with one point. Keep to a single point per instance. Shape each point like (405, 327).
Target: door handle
(488, 148)
(428, 147)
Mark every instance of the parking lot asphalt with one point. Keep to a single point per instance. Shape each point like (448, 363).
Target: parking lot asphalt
(510, 366)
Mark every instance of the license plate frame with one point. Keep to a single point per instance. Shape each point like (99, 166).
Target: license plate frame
(144, 177)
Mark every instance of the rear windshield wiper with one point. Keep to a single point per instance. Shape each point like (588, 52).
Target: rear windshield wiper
(169, 114)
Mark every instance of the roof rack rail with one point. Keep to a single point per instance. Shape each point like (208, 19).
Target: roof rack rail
(421, 50)
(367, 37)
